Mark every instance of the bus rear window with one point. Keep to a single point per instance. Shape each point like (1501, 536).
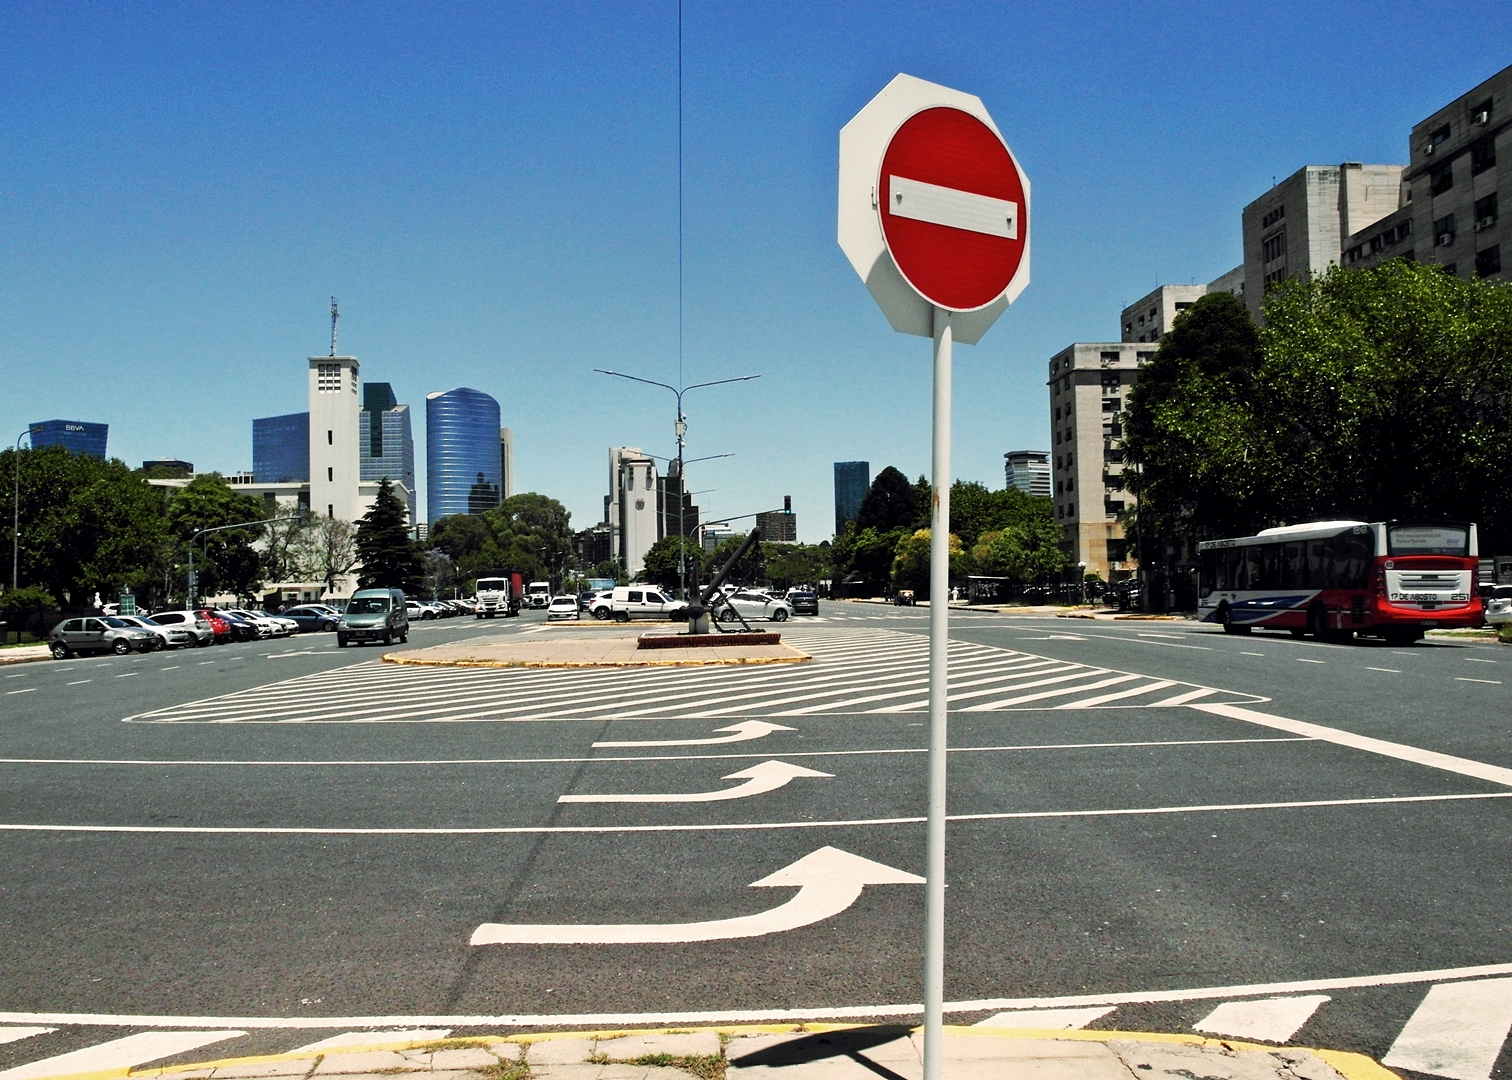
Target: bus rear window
(1428, 540)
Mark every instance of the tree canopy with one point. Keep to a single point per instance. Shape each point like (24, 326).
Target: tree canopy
(528, 532)
(390, 560)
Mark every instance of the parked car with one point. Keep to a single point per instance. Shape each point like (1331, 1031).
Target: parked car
(374, 615)
(169, 637)
(1497, 602)
(803, 601)
(903, 598)
(264, 626)
(563, 607)
(241, 629)
(224, 632)
(204, 633)
(99, 634)
(285, 625)
(310, 617)
(638, 602)
(752, 605)
(585, 599)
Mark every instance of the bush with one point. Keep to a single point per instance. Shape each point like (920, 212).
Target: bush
(1504, 633)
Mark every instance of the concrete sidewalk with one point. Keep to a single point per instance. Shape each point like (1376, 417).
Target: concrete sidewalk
(783, 1052)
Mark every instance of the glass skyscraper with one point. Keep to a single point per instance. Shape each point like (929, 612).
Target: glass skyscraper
(852, 481)
(386, 446)
(281, 449)
(73, 435)
(462, 461)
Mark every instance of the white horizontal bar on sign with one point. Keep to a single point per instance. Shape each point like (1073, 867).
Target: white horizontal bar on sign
(950, 206)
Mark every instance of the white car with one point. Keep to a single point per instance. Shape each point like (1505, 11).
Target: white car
(289, 625)
(562, 607)
(752, 605)
(171, 637)
(638, 602)
(267, 626)
(1498, 605)
(188, 620)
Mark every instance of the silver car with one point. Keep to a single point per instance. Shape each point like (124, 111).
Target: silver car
(170, 637)
(204, 633)
(752, 605)
(105, 633)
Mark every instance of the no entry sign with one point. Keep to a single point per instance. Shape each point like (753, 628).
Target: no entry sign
(934, 209)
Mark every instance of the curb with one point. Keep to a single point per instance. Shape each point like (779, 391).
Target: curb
(729, 661)
(1350, 1065)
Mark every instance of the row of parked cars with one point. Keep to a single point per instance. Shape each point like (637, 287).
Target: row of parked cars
(628, 602)
(201, 627)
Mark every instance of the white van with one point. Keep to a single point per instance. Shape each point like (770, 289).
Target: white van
(638, 602)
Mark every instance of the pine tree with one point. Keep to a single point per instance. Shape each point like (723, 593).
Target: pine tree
(390, 560)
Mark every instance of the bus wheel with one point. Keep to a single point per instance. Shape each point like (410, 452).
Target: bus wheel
(1317, 622)
(1226, 617)
(1296, 631)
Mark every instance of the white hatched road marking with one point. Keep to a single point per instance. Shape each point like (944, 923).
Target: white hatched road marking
(1272, 1019)
(1457, 1031)
(1055, 1019)
(16, 1034)
(124, 1053)
(371, 1038)
(874, 671)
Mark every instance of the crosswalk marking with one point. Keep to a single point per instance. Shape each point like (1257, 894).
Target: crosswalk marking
(853, 671)
(1272, 1019)
(1457, 1031)
(16, 1034)
(124, 1053)
(1056, 1019)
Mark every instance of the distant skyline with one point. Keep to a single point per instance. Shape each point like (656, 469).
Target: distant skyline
(491, 193)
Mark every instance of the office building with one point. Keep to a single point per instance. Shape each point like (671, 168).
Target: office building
(1449, 213)
(506, 460)
(462, 462)
(281, 449)
(1299, 226)
(75, 436)
(635, 510)
(679, 513)
(169, 469)
(779, 526)
(852, 481)
(1027, 470)
(1089, 387)
(714, 535)
(385, 441)
(593, 546)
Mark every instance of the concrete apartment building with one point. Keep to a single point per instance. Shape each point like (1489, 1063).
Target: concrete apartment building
(1449, 212)
(1089, 386)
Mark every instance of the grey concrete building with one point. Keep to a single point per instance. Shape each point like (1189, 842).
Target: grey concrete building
(1299, 226)
(1089, 386)
(1450, 213)
(1149, 317)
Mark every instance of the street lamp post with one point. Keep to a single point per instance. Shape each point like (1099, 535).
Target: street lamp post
(680, 428)
(16, 512)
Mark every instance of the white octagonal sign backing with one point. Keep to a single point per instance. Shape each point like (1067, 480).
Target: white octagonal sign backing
(955, 229)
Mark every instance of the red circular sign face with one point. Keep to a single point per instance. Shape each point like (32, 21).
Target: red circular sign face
(952, 207)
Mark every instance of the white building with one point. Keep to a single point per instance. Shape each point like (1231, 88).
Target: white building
(634, 523)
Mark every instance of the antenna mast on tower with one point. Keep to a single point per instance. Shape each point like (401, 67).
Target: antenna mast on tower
(334, 316)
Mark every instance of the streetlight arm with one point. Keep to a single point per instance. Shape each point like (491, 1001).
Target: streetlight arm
(721, 382)
(637, 378)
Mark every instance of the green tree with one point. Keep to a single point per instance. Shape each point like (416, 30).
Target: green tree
(891, 503)
(23, 609)
(975, 510)
(797, 564)
(225, 561)
(1028, 552)
(528, 532)
(866, 555)
(333, 551)
(750, 569)
(911, 561)
(662, 566)
(389, 558)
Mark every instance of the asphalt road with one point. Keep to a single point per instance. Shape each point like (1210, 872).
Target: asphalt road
(287, 830)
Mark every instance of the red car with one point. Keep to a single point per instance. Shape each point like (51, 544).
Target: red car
(222, 629)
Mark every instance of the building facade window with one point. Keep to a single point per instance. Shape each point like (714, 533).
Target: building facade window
(1443, 231)
(1488, 262)
(1482, 157)
(1274, 247)
(1485, 212)
(328, 378)
(1437, 138)
(1274, 216)
(1441, 179)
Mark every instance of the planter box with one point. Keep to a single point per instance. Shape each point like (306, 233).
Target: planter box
(699, 641)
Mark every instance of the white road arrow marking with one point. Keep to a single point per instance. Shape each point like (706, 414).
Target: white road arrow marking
(744, 731)
(829, 881)
(759, 779)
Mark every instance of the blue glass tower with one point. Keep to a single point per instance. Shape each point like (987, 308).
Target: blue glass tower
(73, 435)
(281, 449)
(384, 439)
(852, 480)
(461, 453)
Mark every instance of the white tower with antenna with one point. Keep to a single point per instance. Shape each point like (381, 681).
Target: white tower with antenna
(335, 411)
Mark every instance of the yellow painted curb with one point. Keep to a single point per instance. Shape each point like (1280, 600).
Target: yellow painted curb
(1351, 1066)
(732, 661)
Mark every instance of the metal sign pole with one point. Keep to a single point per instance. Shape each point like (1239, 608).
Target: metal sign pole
(939, 668)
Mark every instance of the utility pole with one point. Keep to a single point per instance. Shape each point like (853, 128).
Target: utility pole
(16, 512)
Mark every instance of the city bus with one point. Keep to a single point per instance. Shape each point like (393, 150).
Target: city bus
(1335, 579)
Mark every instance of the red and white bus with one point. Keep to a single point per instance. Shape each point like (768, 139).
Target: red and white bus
(1334, 579)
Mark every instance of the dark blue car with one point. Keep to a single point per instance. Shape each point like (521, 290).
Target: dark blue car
(310, 618)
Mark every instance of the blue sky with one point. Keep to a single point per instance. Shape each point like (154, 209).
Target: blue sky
(491, 192)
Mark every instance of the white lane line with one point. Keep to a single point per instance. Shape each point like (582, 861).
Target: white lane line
(1388, 670)
(385, 762)
(759, 779)
(1304, 660)
(175, 667)
(28, 690)
(16, 1034)
(124, 1053)
(1457, 1031)
(1252, 654)
(1488, 682)
(744, 731)
(202, 663)
(1042, 1019)
(752, 826)
(1272, 1019)
(646, 1019)
(80, 682)
(16, 676)
(370, 1038)
(1478, 660)
(128, 675)
(1431, 758)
